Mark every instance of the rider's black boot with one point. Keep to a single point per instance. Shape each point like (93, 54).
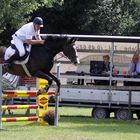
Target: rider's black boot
(7, 63)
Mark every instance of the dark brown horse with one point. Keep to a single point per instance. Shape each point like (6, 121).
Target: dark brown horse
(42, 57)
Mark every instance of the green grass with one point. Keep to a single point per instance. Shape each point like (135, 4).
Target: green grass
(74, 124)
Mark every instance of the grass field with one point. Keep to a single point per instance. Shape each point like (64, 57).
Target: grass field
(74, 124)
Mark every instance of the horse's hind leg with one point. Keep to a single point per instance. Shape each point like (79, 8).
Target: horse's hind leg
(43, 75)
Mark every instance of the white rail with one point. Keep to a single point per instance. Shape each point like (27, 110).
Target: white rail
(101, 38)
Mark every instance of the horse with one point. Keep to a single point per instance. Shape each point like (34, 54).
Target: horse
(41, 59)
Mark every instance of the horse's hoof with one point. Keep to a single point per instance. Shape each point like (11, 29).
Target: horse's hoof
(41, 91)
(10, 113)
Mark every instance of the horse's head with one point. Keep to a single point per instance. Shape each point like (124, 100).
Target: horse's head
(65, 44)
(70, 51)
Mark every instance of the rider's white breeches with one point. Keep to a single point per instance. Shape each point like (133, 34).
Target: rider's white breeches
(19, 45)
(9, 52)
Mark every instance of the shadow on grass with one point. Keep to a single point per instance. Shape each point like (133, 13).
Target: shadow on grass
(83, 123)
(22, 126)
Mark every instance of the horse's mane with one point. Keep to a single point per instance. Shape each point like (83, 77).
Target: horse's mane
(55, 38)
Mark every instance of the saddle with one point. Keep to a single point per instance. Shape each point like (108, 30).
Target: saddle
(26, 51)
(11, 50)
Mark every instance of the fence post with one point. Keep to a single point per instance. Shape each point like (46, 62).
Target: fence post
(57, 97)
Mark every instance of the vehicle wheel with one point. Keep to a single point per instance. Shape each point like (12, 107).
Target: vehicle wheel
(100, 113)
(123, 114)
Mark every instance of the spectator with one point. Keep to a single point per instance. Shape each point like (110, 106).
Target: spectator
(106, 70)
(134, 66)
(106, 63)
(134, 70)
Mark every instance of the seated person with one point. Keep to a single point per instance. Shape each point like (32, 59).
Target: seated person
(106, 66)
(134, 66)
(105, 71)
(133, 70)
(106, 63)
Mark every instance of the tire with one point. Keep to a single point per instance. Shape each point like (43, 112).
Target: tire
(100, 113)
(123, 114)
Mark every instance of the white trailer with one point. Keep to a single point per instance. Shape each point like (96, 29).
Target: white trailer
(123, 101)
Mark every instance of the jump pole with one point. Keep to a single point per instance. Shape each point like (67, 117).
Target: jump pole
(57, 97)
(1, 97)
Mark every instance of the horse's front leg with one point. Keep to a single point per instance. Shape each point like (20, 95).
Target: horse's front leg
(58, 83)
(45, 76)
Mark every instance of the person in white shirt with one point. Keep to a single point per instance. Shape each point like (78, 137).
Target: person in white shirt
(25, 35)
(133, 71)
(134, 66)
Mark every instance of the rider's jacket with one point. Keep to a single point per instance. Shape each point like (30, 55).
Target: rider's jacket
(27, 31)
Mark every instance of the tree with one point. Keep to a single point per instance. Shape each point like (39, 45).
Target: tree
(15, 13)
(109, 17)
(117, 17)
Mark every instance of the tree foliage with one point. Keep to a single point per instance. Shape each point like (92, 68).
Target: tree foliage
(109, 17)
(15, 13)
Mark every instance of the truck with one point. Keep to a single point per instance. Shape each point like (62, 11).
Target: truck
(79, 90)
(122, 101)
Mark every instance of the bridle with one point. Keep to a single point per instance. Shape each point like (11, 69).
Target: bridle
(61, 56)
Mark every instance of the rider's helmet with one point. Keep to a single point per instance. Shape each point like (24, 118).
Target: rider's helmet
(38, 21)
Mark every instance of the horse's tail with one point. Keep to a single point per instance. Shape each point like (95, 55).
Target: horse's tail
(2, 52)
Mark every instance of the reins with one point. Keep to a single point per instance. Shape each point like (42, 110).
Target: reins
(61, 56)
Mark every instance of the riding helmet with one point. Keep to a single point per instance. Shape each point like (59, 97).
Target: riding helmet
(38, 21)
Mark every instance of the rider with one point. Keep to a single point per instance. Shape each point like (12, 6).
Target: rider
(25, 35)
